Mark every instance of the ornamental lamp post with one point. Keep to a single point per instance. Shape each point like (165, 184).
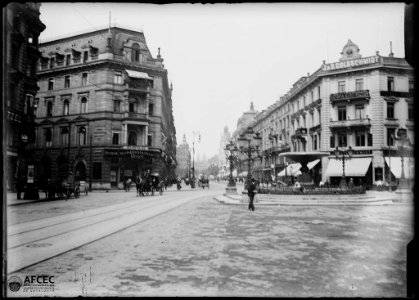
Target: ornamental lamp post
(343, 155)
(249, 144)
(231, 152)
(273, 136)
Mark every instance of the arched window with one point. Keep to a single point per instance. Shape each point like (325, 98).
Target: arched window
(82, 136)
(66, 110)
(48, 137)
(132, 139)
(83, 105)
(64, 136)
(135, 52)
(49, 109)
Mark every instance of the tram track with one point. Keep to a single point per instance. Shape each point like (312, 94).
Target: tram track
(43, 231)
(32, 242)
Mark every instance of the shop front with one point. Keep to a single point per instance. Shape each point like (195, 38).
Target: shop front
(129, 164)
(357, 168)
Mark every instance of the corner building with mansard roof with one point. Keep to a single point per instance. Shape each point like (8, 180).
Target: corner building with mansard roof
(105, 109)
(365, 103)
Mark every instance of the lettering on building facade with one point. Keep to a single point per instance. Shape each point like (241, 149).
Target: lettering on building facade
(351, 63)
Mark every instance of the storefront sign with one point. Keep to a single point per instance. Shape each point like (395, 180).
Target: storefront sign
(351, 63)
(139, 154)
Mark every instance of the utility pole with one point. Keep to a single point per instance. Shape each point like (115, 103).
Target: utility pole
(91, 163)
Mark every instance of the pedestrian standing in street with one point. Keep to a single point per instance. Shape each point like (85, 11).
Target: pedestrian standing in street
(20, 186)
(127, 185)
(251, 191)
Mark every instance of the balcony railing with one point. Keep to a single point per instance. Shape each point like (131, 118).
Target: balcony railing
(349, 96)
(397, 94)
(350, 123)
(134, 115)
(135, 147)
(301, 131)
(138, 88)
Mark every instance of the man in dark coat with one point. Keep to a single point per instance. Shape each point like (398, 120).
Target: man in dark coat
(251, 191)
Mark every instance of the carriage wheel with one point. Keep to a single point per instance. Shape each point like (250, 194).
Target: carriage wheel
(76, 192)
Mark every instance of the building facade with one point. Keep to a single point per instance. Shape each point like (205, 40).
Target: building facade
(183, 157)
(360, 102)
(105, 109)
(21, 30)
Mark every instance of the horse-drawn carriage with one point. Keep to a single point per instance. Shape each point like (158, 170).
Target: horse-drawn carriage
(149, 184)
(64, 187)
(203, 182)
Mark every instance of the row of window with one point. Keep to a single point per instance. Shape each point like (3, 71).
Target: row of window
(67, 81)
(66, 107)
(64, 136)
(132, 107)
(68, 59)
(82, 137)
(361, 139)
(359, 85)
(83, 56)
(360, 111)
(84, 80)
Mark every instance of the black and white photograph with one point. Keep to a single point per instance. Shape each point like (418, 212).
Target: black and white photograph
(208, 149)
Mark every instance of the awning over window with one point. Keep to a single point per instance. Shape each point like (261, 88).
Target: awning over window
(353, 167)
(294, 169)
(395, 164)
(136, 74)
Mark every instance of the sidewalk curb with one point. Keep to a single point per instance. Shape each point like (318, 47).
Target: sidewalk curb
(224, 199)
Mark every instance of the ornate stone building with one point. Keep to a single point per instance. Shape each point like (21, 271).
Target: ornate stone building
(183, 157)
(21, 29)
(365, 103)
(105, 109)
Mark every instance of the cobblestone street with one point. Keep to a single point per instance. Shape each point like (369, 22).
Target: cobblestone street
(208, 249)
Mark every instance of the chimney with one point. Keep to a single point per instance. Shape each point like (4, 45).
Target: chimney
(391, 50)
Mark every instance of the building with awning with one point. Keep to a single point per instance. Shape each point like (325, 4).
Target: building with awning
(117, 121)
(395, 165)
(137, 74)
(294, 169)
(354, 167)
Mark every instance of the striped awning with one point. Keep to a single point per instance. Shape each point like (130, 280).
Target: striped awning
(136, 74)
(294, 169)
(395, 164)
(353, 167)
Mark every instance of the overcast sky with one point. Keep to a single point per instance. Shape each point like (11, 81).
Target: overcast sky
(220, 57)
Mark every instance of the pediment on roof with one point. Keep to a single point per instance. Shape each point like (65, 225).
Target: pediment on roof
(80, 119)
(46, 122)
(63, 120)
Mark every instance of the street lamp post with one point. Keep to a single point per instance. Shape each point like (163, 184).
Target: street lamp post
(249, 142)
(273, 136)
(194, 134)
(343, 155)
(231, 152)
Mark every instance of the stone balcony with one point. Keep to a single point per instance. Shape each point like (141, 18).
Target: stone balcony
(362, 122)
(350, 96)
(136, 116)
(136, 147)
